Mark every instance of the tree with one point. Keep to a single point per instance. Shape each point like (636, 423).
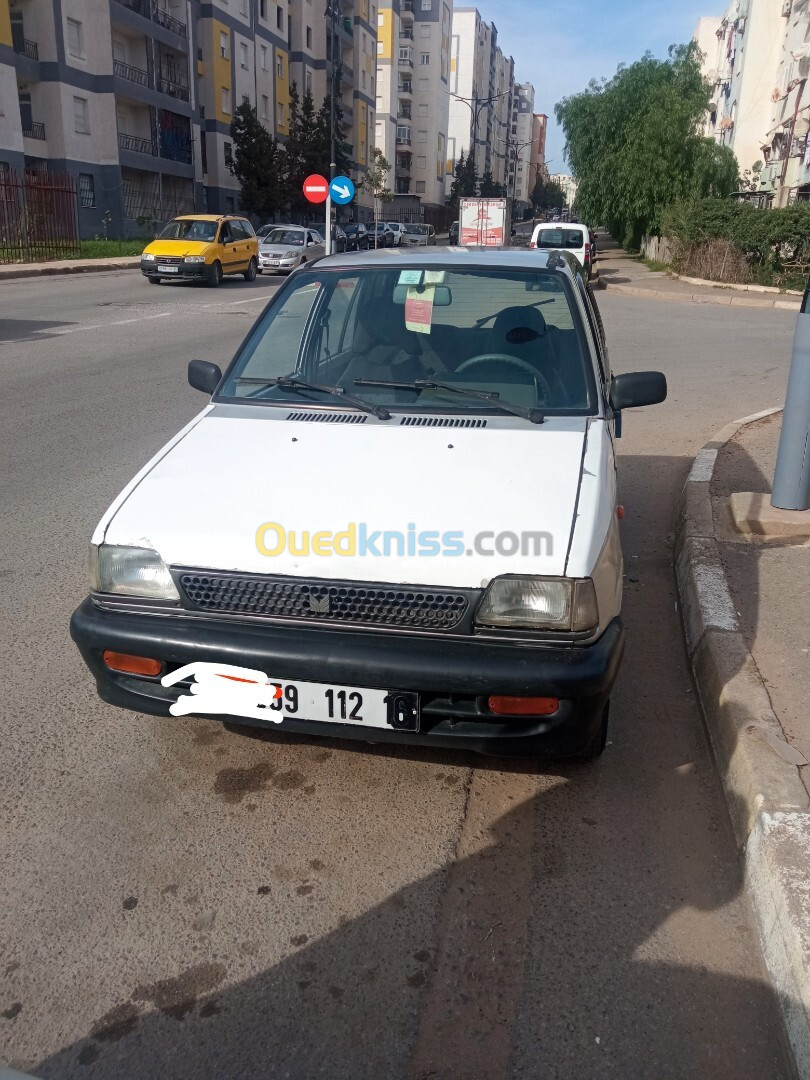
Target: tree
(634, 143)
(257, 162)
(489, 187)
(375, 182)
(297, 153)
(546, 195)
(465, 181)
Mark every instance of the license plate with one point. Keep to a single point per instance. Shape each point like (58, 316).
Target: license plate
(270, 262)
(168, 269)
(222, 689)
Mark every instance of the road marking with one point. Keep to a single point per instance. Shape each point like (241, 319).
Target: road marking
(103, 326)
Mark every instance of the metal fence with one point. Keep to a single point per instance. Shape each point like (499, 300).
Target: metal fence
(39, 216)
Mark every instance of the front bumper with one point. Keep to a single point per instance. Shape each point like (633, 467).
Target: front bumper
(275, 265)
(453, 676)
(190, 272)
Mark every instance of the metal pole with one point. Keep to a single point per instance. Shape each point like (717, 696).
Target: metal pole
(332, 154)
(791, 482)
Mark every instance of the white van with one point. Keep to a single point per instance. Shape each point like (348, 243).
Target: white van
(565, 236)
(395, 518)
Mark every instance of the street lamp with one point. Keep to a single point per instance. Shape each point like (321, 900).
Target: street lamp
(332, 13)
(475, 105)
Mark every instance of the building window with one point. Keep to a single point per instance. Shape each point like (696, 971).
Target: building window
(308, 82)
(87, 190)
(423, 109)
(81, 119)
(229, 204)
(309, 37)
(280, 114)
(227, 149)
(262, 9)
(421, 162)
(279, 17)
(425, 30)
(420, 187)
(427, 5)
(226, 101)
(243, 55)
(75, 38)
(424, 59)
(421, 136)
(380, 19)
(280, 67)
(265, 107)
(223, 46)
(263, 55)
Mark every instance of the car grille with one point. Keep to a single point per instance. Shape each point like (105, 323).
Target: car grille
(317, 601)
(169, 260)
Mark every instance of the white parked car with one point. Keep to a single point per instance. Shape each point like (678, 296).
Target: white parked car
(287, 247)
(565, 236)
(394, 520)
(398, 229)
(419, 235)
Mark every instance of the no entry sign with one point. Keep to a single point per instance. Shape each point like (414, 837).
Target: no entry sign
(316, 188)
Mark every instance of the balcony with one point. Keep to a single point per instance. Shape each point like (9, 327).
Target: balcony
(405, 89)
(405, 58)
(150, 10)
(406, 35)
(34, 130)
(27, 48)
(136, 144)
(176, 153)
(404, 114)
(406, 11)
(172, 88)
(403, 139)
(130, 73)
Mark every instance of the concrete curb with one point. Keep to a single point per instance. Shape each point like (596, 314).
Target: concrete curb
(767, 801)
(701, 298)
(11, 273)
(705, 283)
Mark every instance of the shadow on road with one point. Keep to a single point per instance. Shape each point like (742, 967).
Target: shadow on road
(28, 329)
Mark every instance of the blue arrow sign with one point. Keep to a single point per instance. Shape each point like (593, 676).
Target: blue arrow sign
(342, 190)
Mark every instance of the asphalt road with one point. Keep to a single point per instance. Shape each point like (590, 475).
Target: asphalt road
(180, 901)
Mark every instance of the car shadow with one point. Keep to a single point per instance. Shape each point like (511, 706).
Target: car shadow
(29, 329)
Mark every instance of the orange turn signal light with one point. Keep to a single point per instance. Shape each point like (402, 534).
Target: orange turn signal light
(132, 665)
(523, 706)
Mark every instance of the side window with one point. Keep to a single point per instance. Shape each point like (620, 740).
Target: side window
(247, 229)
(276, 344)
(225, 234)
(239, 230)
(312, 238)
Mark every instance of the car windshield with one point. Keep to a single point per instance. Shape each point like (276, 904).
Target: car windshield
(285, 236)
(375, 332)
(560, 238)
(417, 229)
(184, 229)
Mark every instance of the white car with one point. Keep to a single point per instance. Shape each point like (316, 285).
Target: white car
(419, 235)
(565, 236)
(394, 520)
(398, 229)
(286, 247)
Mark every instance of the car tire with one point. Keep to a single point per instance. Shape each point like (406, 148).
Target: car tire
(214, 276)
(252, 270)
(597, 744)
(259, 270)
(153, 279)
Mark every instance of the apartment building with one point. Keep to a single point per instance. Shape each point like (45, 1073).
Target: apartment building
(521, 141)
(413, 70)
(538, 165)
(134, 98)
(786, 146)
(568, 185)
(482, 86)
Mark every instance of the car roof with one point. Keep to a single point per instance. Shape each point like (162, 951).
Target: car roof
(209, 217)
(556, 224)
(461, 258)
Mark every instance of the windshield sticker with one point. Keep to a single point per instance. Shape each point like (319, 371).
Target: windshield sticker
(226, 690)
(419, 310)
(435, 277)
(410, 277)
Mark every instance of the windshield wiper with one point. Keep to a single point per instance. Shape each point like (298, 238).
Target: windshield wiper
(538, 303)
(287, 382)
(534, 416)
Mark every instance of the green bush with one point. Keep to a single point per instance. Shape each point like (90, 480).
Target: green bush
(767, 240)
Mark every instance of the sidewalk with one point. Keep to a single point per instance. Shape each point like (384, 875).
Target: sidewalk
(745, 597)
(67, 266)
(623, 273)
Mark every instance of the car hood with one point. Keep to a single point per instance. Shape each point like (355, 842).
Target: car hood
(202, 501)
(175, 248)
(280, 249)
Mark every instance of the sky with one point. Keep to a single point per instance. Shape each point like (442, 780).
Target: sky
(559, 47)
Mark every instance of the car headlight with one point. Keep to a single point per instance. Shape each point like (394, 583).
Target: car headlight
(194, 259)
(130, 571)
(535, 603)
(290, 255)
(148, 256)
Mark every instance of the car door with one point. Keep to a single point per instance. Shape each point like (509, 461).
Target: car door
(243, 245)
(315, 246)
(228, 248)
(250, 243)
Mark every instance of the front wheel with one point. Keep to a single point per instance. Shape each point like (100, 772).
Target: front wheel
(153, 279)
(214, 275)
(252, 270)
(599, 741)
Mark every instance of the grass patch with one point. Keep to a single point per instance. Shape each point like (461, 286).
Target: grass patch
(654, 265)
(111, 249)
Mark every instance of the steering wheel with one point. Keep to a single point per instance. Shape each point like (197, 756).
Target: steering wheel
(512, 361)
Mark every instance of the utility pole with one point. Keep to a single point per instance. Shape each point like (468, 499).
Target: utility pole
(332, 13)
(791, 482)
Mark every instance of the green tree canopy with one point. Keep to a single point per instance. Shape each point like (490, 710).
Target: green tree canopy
(635, 146)
(257, 163)
(464, 179)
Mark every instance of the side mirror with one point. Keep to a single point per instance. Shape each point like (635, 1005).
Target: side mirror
(204, 376)
(636, 389)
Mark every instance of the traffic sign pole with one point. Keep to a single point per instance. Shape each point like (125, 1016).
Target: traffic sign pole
(328, 224)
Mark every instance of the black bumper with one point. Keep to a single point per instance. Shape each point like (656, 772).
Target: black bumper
(453, 677)
(197, 272)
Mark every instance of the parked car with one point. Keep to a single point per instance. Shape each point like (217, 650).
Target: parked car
(384, 235)
(349, 612)
(454, 231)
(357, 235)
(565, 236)
(202, 247)
(264, 230)
(287, 247)
(398, 230)
(420, 235)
